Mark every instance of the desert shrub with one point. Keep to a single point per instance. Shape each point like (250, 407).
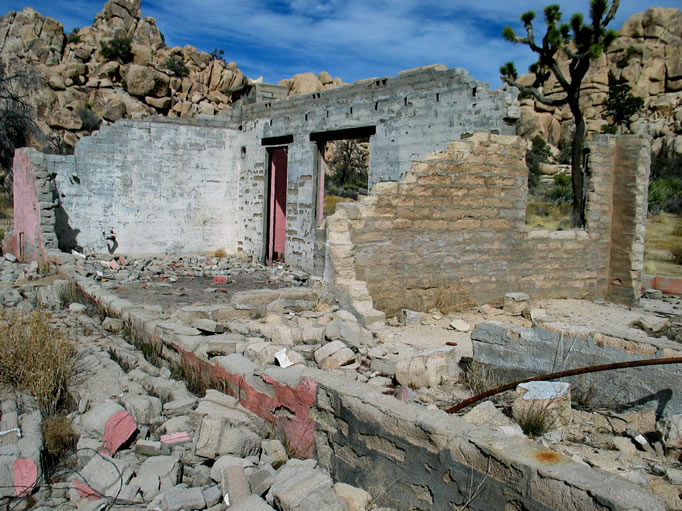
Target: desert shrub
(91, 121)
(218, 54)
(119, 48)
(535, 421)
(478, 378)
(562, 191)
(58, 435)
(665, 194)
(621, 104)
(36, 358)
(73, 37)
(220, 253)
(177, 67)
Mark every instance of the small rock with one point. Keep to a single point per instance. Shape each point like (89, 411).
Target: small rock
(276, 451)
(515, 303)
(235, 485)
(356, 498)
(112, 325)
(77, 308)
(459, 325)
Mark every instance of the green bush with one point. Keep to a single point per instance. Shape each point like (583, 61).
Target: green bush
(563, 189)
(621, 104)
(665, 194)
(177, 67)
(119, 48)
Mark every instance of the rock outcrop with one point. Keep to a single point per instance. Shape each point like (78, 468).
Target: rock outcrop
(648, 56)
(74, 76)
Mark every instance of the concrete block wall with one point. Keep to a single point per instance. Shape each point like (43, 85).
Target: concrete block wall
(194, 185)
(156, 187)
(414, 114)
(453, 232)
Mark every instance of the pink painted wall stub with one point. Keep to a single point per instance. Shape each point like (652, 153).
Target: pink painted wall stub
(25, 241)
(25, 476)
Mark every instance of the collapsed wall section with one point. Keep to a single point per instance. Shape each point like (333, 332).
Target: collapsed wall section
(155, 187)
(452, 233)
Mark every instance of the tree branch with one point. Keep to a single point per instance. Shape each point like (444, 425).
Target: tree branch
(612, 12)
(536, 93)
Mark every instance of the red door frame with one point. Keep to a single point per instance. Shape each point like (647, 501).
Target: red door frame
(277, 185)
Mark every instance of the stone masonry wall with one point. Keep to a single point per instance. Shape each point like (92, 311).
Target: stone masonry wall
(453, 231)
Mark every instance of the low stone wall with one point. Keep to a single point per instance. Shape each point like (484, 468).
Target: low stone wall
(407, 456)
(452, 232)
(516, 352)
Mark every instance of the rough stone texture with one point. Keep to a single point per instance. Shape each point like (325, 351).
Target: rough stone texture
(460, 214)
(371, 438)
(517, 352)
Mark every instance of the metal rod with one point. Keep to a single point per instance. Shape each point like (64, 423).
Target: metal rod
(563, 374)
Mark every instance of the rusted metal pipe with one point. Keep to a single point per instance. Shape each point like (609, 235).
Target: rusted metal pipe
(563, 374)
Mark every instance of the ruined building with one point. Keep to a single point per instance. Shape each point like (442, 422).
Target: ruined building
(445, 211)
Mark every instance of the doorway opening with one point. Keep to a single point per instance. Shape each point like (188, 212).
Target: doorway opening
(276, 215)
(342, 167)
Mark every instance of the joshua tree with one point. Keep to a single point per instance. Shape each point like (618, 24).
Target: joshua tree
(579, 43)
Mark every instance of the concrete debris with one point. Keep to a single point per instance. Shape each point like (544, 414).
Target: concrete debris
(185, 452)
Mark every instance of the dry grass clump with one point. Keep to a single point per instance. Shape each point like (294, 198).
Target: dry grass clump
(59, 436)
(479, 379)
(535, 421)
(220, 253)
(663, 245)
(330, 202)
(36, 358)
(545, 215)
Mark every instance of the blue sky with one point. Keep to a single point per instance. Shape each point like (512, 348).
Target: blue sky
(351, 39)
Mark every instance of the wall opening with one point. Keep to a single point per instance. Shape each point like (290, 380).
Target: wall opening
(277, 204)
(342, 167)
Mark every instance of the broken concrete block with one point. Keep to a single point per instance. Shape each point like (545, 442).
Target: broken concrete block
(486, 413)
(276, 451)
(345, 327)
(94, 421)
(261, 479)
(411, 318)
(671, 431)
(234, 484)
(179, 498)
(102, 474)
(157, 475)
(459, 325)
(356, 498)
(150, 448)
(299, 485)
(550, 399)
(252, 503)
(424, 370)
(515, 303)
(334, 354)
(143, 408)
(208, 325)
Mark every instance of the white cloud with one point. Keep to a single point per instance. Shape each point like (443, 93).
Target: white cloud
(353, 39)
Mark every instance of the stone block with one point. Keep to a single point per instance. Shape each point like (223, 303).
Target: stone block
(515, 303)
(234, 484)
